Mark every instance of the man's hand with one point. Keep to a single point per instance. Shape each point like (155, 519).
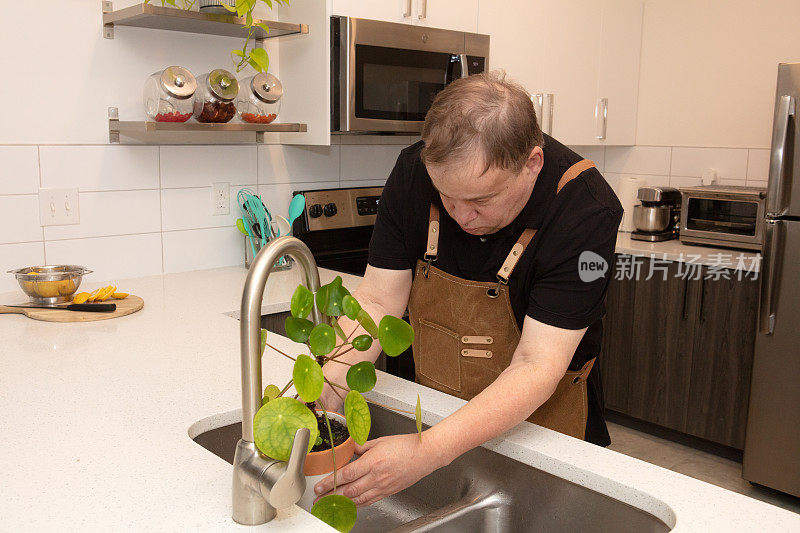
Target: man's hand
(387, 465)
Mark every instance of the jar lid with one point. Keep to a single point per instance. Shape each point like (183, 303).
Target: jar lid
(223, 84)
(267, 87)
(178, 82)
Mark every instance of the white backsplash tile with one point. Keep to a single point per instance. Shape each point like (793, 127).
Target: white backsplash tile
(364, 183)
(613, 179)
(638, 160)
(595, 153)
(287, 164)
(202, 249)
(684, 181)
(758, 165)
(111, 213)
(200, 166)
(19, 169)
(374, 139)
(758, 183)
(183, 209)
(111, 258)
(729, 163)
(13, 256)
(19, 219)
(368, 162)
(99, 168)
(277, 196)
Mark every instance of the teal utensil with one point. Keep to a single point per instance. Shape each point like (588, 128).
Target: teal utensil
(296, 208)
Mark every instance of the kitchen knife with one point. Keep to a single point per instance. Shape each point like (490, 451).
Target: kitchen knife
(92, 308)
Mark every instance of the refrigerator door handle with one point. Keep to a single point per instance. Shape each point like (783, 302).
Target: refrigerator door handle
(769, 280)
(786, 109)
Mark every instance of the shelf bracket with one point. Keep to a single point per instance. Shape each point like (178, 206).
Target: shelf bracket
(113, 125)
(108, 29)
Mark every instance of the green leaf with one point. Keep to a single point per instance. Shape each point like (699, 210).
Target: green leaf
(351, 307)
(229, 8)
(237, 53)
(263, 340)
(308, 378)
(249, 19)
(367, 323)
(362, 343)
(330, 296)
(322, 339)
(302, 301)
(337, 511)
(395, 335)
(263, 27)
(259, 55)
(418, 417)
(318, 441)
(361, 376)
(356, 411)
(298, 329)
(270, 393)
(275, 424)
(268, 2)
(339, 331)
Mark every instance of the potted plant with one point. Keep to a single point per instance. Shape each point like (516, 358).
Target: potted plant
(281, 416)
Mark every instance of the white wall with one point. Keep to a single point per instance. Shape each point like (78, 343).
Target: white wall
(708, 70)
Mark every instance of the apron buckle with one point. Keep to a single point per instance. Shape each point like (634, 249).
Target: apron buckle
(494, 292)
(428, 260)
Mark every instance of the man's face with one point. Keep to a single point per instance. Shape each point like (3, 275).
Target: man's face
(484, 202)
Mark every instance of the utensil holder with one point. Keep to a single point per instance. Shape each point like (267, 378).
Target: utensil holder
(284, 263)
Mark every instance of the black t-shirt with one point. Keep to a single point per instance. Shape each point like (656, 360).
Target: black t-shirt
(546, 283)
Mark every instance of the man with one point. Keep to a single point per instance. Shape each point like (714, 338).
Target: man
(480, 231)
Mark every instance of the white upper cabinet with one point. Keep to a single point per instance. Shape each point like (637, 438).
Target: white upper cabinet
(579, 51)
(460, 15)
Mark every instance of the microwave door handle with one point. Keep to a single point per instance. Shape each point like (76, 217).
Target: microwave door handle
(462, 58)
(786, 109)
(407, 12)
(769, 274)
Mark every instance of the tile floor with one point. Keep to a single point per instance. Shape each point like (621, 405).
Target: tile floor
(697, 464)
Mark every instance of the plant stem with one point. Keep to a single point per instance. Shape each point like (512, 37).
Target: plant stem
(332, 384)
(286, 388)
(330, 436)
(337, 361)
(338, 354)
(267, 345)
(333, 388)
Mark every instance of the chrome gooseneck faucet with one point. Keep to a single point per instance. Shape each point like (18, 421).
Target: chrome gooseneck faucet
(262, 485)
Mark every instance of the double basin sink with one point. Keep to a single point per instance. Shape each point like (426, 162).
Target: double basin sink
(482, 491)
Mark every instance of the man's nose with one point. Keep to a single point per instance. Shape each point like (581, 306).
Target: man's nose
(464, 214)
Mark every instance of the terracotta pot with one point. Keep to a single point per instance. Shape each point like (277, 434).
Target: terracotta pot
(318, 463)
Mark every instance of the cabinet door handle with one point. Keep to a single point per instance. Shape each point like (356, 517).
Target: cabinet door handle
(543, 105)
(423, 10)
(462, 58)
(601, 118)
(685, 291)
(407, 12)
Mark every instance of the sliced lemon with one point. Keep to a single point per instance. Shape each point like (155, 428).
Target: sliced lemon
(93, 295)
(80, 298)
(107, 294)
(119, 295)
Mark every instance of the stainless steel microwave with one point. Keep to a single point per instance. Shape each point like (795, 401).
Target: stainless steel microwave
(728, 216)
(384, 75)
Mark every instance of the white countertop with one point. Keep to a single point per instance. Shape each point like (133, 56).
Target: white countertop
(95, 420)
(674, 250)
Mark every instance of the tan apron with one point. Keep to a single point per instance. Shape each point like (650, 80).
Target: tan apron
(466, 332)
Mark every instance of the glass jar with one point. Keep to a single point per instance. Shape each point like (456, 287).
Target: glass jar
(259, 101)
(213, 101)
(169, 95)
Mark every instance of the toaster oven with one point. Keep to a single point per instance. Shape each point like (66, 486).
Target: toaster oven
(726, 216)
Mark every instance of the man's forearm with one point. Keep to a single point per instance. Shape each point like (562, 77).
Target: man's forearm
(510, 399)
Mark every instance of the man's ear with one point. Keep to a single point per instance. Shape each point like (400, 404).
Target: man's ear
(535, 161)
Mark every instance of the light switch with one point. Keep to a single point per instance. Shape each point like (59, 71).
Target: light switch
(59, 207)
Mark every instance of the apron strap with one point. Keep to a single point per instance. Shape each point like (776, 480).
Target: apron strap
(585, 370)
(519, 248)
(432, 248)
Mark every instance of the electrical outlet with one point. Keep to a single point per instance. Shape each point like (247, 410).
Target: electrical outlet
(221, 198)
(59, 207)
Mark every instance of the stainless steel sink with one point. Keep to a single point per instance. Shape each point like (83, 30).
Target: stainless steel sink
(482, 491)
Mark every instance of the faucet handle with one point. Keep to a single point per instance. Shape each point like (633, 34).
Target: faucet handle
(291, 482)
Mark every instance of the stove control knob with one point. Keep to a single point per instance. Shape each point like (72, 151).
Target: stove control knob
(330, 209)
(315, 211)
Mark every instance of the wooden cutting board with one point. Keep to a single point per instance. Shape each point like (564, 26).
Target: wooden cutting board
(129, 305)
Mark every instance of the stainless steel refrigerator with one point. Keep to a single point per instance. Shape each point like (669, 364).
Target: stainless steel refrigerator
(772, 444)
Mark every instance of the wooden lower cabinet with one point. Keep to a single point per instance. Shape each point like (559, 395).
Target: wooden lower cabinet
(678, 352)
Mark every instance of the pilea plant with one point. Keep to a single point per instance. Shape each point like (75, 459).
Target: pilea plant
(255, 57)
(281, 416)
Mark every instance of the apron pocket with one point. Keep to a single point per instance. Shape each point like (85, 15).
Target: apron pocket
(438, 358)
